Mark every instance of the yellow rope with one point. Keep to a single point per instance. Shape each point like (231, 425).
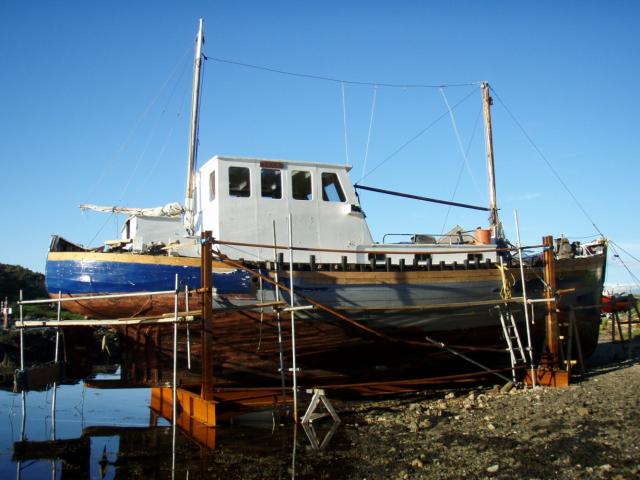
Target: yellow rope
(505, 291)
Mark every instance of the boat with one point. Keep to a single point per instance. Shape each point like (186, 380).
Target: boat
(295, 232)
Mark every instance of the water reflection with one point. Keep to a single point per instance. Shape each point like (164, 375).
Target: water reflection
(108, 434)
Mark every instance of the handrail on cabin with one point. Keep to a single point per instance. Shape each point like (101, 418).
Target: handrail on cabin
(372, 252)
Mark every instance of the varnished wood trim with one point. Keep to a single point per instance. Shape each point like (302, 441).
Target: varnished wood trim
(134, 258)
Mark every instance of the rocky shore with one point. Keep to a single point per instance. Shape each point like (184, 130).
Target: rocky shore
(589, 430)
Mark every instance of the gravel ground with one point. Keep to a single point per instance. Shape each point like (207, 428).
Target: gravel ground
(589, 430)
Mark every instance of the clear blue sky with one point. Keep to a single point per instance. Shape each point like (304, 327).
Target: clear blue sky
(94, 102)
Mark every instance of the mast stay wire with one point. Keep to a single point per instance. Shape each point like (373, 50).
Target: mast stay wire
(618, 245)
(136, 126)
(338, 80)
(366, 150)
(617, 255)
(542, 155)
(461, 170)
(123, 146)
(568, 190)
(416, 136)
(459, 141)
(166, 142)
(344, 125)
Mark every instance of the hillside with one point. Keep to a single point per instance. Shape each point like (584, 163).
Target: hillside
(14, 278)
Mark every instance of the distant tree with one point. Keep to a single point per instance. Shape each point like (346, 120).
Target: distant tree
(14, 278)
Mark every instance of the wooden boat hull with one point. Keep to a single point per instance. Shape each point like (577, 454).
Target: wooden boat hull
(459, 307)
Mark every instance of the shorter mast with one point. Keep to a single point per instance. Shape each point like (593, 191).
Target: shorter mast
(189, 207)
(494, 221)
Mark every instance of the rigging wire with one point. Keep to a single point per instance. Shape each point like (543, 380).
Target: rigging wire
(124, 145)
(169, 136)
(416, 136)
(617, 256)
(459, 141)
(618, 245)
(337, 80)
(455, 189)
(553, 170)
(344, 124)
(366, 150)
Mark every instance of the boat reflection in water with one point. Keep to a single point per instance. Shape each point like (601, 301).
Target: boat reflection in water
(253, 445)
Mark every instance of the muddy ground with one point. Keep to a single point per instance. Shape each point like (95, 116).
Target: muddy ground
(589, 430)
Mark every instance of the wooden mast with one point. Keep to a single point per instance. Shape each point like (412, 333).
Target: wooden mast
(193, 137)
(496, 227)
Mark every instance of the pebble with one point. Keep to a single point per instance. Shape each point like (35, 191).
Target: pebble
(493, 468)
(507, 387)
(582, 411)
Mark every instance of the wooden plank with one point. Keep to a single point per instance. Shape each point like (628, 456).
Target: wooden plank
(101, 323)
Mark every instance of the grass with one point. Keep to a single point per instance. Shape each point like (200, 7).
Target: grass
(44, 311)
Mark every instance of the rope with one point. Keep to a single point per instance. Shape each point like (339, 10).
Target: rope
(124, 144)
(553, 170)
(459, 141)
(338, 80)
(160, 155)
(225, 259)
(505, 290)
(127, 140)
(366, 151)
(618, 245)
(455, 189)
(344, 125)
(416, 136)
(616, 255)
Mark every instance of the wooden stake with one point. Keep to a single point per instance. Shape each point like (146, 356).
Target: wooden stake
(550, 292)
(207, 315)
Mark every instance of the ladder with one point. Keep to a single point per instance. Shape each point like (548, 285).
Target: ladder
(512, 337)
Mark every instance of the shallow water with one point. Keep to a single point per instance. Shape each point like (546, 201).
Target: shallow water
(112, 433)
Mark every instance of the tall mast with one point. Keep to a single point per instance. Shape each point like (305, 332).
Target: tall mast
(193, 136)
(496, 227)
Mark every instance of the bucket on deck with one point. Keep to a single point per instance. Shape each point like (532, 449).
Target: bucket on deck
(482, 236)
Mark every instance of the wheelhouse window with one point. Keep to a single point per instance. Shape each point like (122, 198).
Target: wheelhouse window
(271, 183)
(301, 185)
(239, 182)
(212, 186)
(331, 189)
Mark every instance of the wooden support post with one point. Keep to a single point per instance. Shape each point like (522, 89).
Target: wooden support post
(207, 315)
(550, 372)
(550, 292)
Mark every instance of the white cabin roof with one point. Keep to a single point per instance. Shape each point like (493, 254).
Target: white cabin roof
(224, 158)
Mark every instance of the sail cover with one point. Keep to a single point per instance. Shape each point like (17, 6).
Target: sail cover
(168, 210)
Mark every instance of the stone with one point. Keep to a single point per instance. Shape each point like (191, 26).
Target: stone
(507, 387)
(493, 468)
(582, 411)
(417, 463)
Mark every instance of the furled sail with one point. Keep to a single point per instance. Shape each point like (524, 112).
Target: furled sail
(168, 210)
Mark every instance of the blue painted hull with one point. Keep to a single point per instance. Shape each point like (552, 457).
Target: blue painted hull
(74, 277)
